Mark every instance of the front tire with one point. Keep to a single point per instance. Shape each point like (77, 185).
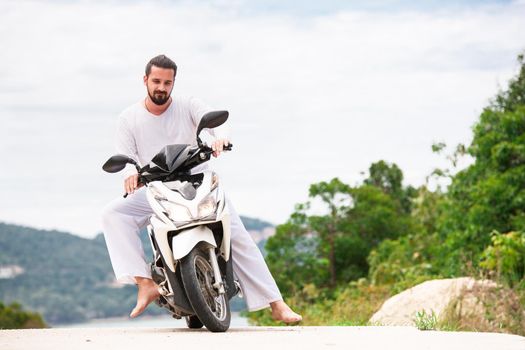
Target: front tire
(193, 322)
(212, 308)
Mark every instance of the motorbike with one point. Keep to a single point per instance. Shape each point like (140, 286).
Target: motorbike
(189, 231)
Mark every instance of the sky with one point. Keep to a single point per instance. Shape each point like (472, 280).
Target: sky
(315, 90)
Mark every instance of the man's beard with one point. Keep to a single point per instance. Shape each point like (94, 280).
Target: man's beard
(159, 98)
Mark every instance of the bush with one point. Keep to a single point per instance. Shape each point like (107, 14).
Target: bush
(14, 317)
(352, 305)
(402, 263)
(505, 257)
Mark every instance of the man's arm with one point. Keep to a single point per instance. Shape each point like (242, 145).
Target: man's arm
(125, 144)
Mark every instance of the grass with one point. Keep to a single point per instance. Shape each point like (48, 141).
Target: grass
(499, 309)
(352, 305)
(426, 321)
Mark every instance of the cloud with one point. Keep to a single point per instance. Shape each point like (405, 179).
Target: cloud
(312, 96)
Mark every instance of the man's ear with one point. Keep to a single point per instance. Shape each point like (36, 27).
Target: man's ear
(145, 80)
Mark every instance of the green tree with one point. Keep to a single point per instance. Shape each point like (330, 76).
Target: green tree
(335, 195)
(293, 255)
(331, 245)
(490, 194)
(389, 178)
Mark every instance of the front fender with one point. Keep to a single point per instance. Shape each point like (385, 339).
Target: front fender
(184, 242)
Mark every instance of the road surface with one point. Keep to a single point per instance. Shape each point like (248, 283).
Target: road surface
(254, 338)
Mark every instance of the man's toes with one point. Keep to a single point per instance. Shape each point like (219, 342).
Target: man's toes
(143, 302)
(137, 311)
(292, 318)
(287, 317)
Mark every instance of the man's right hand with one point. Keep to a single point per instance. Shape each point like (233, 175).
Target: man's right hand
(131, 184)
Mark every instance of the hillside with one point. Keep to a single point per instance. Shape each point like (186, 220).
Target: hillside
(67, 278)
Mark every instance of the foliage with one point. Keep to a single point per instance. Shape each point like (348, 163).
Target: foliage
(410, 259)
(403, 262)
(293, 258)
(489, 194)
(426, 321)
(505, 257)
(14, 317)
(349, 305)
(389, 178)
(331, 248)
(330, 227)
(514, 96)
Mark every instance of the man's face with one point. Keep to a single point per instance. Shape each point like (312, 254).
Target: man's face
(159, 84)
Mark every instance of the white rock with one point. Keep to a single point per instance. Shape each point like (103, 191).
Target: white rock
(435, 295)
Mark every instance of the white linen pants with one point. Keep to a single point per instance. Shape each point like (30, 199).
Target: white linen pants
(122, 220)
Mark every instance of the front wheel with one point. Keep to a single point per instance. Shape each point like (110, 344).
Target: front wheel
(193, 322)
(212, 308)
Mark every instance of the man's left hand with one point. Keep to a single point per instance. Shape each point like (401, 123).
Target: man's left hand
(218, 145)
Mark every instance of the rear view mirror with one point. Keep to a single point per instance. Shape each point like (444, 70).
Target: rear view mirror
(117, 163)
(212, 120)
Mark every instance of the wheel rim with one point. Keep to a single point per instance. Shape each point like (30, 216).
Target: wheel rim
(216, 302)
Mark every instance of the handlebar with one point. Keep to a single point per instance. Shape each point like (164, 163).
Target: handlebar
(206, 149)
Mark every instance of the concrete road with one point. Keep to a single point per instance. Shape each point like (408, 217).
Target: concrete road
(254, 338)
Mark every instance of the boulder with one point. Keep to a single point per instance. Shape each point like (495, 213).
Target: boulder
(436, 296)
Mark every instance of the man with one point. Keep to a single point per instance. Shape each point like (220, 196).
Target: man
(143, 129)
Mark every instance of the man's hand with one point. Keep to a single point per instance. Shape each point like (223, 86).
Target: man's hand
(131, 184)
(218, 145)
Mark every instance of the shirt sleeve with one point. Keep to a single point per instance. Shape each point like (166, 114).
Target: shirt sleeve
(125, 144)
(198, 109)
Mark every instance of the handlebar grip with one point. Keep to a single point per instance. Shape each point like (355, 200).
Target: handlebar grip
(140, 182)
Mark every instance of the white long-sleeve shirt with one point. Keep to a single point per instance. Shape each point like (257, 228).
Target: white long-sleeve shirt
(141, 134)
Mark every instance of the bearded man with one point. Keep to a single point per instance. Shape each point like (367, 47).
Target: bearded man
(143, 129)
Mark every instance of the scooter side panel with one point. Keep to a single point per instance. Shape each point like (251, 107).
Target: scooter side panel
(179, 297)
(161, 237)
(184, 242)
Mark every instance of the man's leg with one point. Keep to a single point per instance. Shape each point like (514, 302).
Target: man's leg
(122, 220)
(258, 286)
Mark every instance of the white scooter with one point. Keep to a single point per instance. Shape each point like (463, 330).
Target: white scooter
(189, 231)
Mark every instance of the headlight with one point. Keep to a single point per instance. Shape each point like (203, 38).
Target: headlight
(176, 212)
(207, 206)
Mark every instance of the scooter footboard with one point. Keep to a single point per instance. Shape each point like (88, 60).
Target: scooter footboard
(184, 242)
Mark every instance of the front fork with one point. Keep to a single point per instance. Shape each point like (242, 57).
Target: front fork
(219, 284)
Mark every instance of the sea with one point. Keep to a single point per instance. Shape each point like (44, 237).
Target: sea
(147, 322)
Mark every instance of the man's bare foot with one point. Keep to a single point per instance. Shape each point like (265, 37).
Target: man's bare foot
(148, 291)
(282, 312)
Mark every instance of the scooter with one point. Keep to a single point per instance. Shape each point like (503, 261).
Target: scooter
(189, 231)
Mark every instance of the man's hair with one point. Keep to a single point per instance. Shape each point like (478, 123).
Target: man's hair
(161, 61)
